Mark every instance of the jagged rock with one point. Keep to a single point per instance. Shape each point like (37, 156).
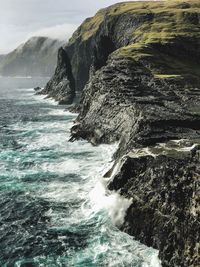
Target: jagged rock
(164, 211)
(134, 30)
(61, 87)
(37, 89)
(124, 102)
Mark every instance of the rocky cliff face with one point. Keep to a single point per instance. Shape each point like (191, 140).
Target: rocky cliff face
(36, 57)
(160, 30)
(164, 210)
(138, 63)
(62, 86)
(124, 102)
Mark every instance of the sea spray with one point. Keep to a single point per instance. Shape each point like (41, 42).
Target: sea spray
(113, 202)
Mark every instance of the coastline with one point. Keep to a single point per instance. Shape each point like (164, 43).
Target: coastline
(141, 89)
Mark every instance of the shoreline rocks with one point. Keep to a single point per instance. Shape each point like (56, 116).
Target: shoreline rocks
(164, 212)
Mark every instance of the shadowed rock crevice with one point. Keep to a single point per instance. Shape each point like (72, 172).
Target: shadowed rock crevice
(101, 51)
(124, 102)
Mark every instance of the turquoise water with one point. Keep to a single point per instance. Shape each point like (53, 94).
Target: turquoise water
(54, 210)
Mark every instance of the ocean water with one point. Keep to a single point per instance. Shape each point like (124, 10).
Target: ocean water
(54, 209)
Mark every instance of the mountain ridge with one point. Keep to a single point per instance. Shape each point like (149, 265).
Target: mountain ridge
(35, 57)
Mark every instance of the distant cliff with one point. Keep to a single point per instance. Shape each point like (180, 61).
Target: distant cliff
(36, 57)
(138, 67)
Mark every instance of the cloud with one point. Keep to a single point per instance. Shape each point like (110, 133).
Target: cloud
(62, 32)
(20, 19)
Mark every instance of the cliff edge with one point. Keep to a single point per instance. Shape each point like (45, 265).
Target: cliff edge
(137, 65)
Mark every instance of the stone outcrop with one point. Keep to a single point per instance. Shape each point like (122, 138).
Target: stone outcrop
(165, 204)
(124, 102)
(61, 87)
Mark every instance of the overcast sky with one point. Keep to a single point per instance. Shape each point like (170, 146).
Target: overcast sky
(21, 19)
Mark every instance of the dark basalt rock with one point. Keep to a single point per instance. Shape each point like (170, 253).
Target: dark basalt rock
(124, 102)
(37, 89)
(121, 25)
(164, 211)
(62, 86)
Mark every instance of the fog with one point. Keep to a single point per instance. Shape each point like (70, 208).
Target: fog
(21, 19)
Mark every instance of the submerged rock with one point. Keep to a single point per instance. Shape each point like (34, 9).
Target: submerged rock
(37, 89)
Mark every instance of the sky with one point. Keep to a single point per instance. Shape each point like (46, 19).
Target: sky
(22, 19)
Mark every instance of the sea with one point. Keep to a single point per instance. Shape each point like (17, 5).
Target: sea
(54, 206)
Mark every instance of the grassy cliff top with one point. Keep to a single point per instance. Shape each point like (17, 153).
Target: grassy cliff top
(170, 18)
(158, 24)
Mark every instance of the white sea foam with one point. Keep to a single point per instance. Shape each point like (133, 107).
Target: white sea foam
(94, 199)
(155, 262)
(25, 90)
(45, 98)
(61, 191)
(65, 167)
(18, 77)
(114, 203)
(88, 189)
(152, 261)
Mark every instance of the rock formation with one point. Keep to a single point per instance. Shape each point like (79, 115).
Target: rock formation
(165, 204)
(62, 86)
(138, 66)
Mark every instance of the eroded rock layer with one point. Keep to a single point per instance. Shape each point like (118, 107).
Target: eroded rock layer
(165, 204)
(124, 102)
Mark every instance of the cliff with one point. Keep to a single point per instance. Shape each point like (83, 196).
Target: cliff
(154, 32)
(164, 213)
(36, 57)
(62, 86)
(137, 64)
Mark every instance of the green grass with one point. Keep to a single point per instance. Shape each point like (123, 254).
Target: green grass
(153, 7)
(169, 20)
(88, 28)
(168, 23)
(166, 76)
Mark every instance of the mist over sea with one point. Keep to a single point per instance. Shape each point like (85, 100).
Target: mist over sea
(54, 209)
